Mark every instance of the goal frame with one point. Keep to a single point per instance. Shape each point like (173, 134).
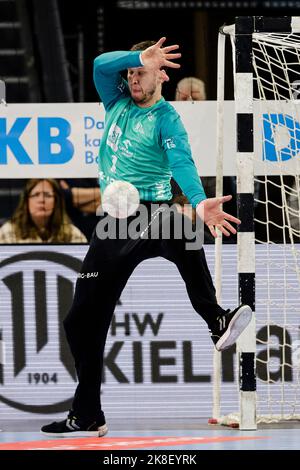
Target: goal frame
(242, 31)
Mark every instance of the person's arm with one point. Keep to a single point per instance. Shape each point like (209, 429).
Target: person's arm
(175, 143)
(107, 67)
(83, 196)
(84, 199)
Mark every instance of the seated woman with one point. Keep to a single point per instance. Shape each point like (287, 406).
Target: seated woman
(41, 217)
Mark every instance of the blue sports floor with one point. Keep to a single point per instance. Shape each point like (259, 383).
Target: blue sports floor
(198, 436)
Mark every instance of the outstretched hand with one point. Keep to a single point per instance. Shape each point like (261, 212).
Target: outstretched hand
(63, 184)
(157, 56)
(210, 211)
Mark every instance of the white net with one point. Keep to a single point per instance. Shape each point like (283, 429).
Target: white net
(276, 63)
(276, 92)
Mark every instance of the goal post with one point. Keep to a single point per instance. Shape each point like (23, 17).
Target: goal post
(266, 57)
(245, 347)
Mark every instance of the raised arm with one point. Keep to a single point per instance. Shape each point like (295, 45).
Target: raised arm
(175, 142)
(107, 67)
(107, 78)
(157, 57)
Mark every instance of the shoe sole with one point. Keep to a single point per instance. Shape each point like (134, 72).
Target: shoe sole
(102, 430)
(236, 327)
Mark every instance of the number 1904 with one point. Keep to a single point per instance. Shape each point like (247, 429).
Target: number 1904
(42, 378)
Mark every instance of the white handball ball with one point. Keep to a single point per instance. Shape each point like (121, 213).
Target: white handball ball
(120, 199)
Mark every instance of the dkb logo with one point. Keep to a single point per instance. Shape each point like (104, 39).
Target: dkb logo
(54, 145)
(36, 290)
(281, 137)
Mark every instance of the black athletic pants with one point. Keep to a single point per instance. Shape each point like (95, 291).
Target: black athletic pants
(104, 274)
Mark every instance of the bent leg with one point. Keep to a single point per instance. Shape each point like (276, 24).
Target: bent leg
(193, 268)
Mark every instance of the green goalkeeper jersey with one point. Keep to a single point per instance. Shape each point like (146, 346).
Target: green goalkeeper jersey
(144, 146)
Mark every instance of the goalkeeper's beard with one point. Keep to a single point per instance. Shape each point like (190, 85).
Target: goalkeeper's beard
(145, 97)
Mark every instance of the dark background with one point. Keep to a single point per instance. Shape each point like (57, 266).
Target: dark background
(194, 29)
(51, 42)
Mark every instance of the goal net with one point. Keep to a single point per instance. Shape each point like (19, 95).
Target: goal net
(275, 62)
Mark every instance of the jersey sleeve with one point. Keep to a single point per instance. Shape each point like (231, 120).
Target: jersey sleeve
(174, 140)
(107, 77)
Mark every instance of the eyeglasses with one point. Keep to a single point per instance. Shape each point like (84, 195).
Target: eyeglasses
(44, 194)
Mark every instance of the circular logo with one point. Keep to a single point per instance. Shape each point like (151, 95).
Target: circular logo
(36, 292)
